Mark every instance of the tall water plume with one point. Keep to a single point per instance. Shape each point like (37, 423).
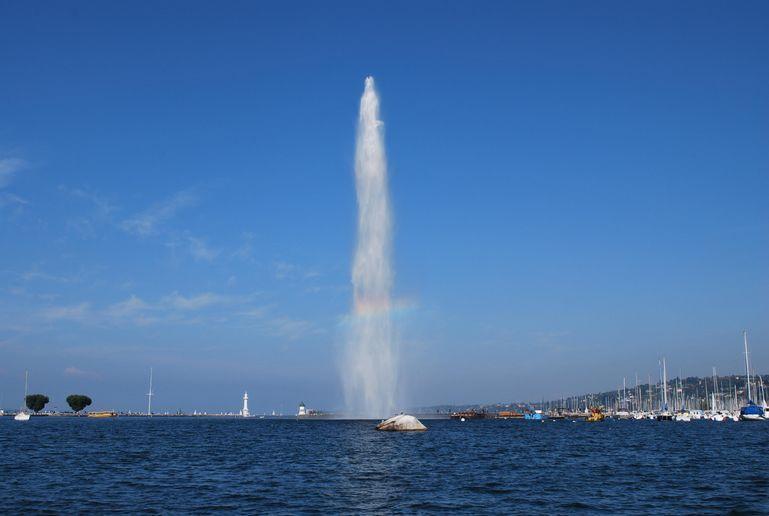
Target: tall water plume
(370, 368)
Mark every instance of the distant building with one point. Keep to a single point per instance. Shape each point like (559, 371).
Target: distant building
(245, 412)
(302, 410)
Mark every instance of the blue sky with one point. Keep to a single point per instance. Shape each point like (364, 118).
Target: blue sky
(578, 190)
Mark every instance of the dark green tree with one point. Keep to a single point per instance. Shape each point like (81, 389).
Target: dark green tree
(36, 402)
(78, 402)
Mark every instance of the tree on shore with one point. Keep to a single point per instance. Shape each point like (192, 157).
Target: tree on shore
(36, 402)
(78, 402)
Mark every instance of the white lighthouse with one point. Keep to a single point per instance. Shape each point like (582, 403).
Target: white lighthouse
(245, 412)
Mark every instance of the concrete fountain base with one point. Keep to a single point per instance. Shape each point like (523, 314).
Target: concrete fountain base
(401, 423)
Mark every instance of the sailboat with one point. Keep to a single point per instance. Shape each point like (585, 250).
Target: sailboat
(763, 397)
(664, 414)
(622, 412)
(751, 411)
(23, 415)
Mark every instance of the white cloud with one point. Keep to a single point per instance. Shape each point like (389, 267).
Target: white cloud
(148, 221)
(8, 168)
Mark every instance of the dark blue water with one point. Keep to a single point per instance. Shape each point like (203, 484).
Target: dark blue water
(258, 465)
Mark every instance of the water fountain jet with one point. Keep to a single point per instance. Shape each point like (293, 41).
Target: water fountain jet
(370, 370)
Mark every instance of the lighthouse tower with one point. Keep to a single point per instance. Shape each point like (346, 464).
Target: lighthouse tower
(245, 412)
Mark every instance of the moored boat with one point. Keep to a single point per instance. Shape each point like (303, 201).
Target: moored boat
(536, 415)
(470, 414)
(751, 411)
(102, 414)
(596, 415)
(23, 415)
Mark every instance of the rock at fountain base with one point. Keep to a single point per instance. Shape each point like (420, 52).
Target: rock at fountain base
(401, 423)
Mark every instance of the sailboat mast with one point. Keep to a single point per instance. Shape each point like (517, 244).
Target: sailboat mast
(637, 394)
(747, 362)
(651, 395)
(624, 395)
(664, 383)
(149, 397)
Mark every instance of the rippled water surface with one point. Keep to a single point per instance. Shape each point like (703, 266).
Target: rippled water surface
(260, 465)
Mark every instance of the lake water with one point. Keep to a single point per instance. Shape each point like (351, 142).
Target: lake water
(262, 465)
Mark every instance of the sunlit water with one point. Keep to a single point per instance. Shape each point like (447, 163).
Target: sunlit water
(260, 465)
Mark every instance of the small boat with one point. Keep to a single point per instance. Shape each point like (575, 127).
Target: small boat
(752, 412)
(102, 414)
(509, 414)
(23, 415)
(470, 414)
(537, 415)
(595, 415)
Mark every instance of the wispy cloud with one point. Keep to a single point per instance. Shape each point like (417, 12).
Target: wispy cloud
(200, 301)
(280, 326)
(246, 251)
(8, 168)
(284, 270)
(287, 270)
(176, 308)
(80, 373)
(9, 200)
(103, 206)
(288, 328)
(129, 307)
(101, 213)
(200, 250)
(149, 221)
(36, 275)
(79, 312)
